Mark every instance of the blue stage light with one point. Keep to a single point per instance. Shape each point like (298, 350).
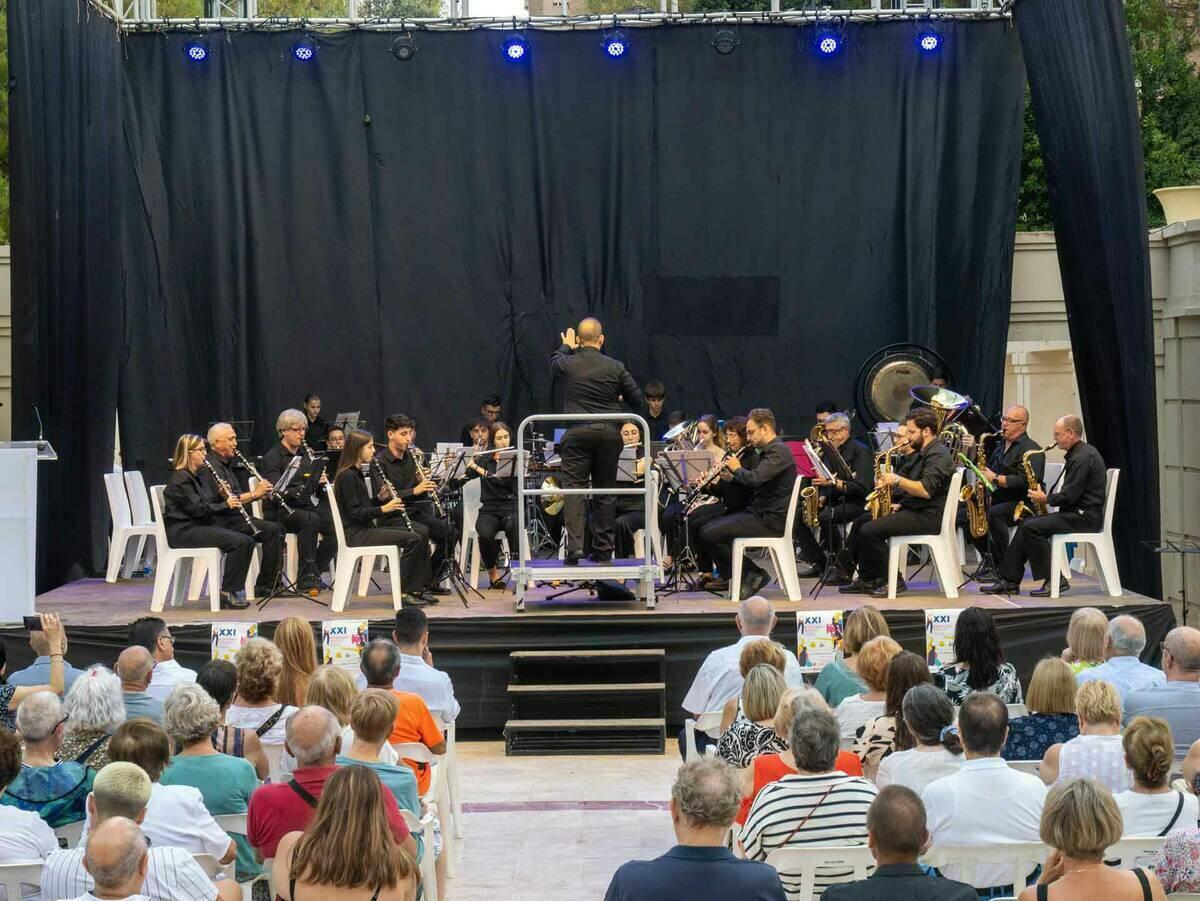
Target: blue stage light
(828, 43)
(196, 50)
(929, 41)
(304, 50)
(616, 44)
(516, 48)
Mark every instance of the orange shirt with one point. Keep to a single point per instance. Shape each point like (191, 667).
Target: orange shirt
(414, 723)
(770, 768)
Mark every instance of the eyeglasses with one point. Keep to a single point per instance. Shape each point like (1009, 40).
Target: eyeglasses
(296, 428)
(1014, 421)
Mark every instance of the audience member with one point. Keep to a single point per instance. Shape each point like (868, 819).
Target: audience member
(896, 835)
(979, 662)
(24, 836)
(986, 801)
(700, 867)
(94, 708)
(38, 672)
(313, 738)
(754, 733)
(340, 854)
(856, 711)
(12, 695)
(1123, 644)
(152, 633)
(380, 664)
(1152, 806)
(1080, 822)
(877, 738)
(219, 679)
(294, 638)
(1096, 752)
(928, 748)
(123, 790)
(719, 678)
(225, 783)
(818, 805)
(762, 651)
(55, 790)
(332, 687)
(259, 666)
(1086, 634)
(1177, 700)
(417, 674)
(1051, 718)
(1177, 863)
(840, 679)
(134, 668)
(117, 859)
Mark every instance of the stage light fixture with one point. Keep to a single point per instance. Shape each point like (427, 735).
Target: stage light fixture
(929, 41)
(404, 48)
(516, 48)
(725, 41)
(304, 50)
(827, 43)
(196, 50)
(616, 44)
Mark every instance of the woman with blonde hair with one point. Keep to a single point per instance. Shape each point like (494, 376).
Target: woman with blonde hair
(755, 652)
(1086, 634)
(1151, 806)
(1080, 821)
(259, 667)
(840, 679)
(1096, 752)
(294, 638)
(755, 734)
(1051, 718)
(872, 664)
(346, 858)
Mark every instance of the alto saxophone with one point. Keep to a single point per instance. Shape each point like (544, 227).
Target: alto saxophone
(879, 501)
(975, 497)
(1032, 508)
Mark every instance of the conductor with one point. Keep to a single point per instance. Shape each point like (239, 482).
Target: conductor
(592, 383)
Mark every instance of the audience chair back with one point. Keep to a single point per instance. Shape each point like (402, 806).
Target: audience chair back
(214, 868)
(1020, 857)
(15, 875)
(707, 723)
(1134, 851)
(427, 866)
(438, 793)
(453, 787)
(806, 861)
(70, 833)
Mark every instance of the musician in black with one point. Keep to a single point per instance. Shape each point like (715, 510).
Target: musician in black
(656, 413)
(918, 500)
(842, 498)
(335, 441)
(497, 501)
(631, 508)
(361, 515)
(310, 517)
(489, 412)
(591, 383)
(1005, 471)
(771, 482)
(699, 508)
(197, 514)
(398, 462)
(316, 427)
(1079, 497)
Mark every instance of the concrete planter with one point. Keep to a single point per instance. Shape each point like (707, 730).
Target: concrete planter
(1180, 204)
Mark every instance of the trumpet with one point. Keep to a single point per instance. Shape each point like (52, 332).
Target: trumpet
(387, 483)
(422, 476)
(227, 492)
(254, 472)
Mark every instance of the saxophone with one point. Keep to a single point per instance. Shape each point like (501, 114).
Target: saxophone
(1033, 508)
(879, 501)
(812, 506)
(975, 497)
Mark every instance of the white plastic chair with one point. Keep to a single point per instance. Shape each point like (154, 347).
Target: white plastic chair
(15, 875)
(428, 865)
(438, 793)
(782, 551)
(1133, 850)
(139, 508)
(453, 787)
(169, 558)
(1016, 710)
(1106, 555)
(1025, 766)
(123, 530)
(805, 861)
(349, 558)
(941, 546)
(656, 541)
(1020, 857)
(706, 722)
(214, 869)
(232, 823)
(72, 832)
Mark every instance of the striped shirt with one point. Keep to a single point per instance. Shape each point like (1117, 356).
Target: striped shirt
(836, 809)
(172, 875)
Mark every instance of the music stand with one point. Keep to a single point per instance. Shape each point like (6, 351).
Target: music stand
(456, 468)
(284, 587)
(1182, 548)
(673, 464)
(243, 429)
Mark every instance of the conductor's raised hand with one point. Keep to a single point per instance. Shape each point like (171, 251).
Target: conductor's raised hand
(569, 339)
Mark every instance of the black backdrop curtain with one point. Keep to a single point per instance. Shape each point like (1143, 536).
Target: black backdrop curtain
(1081, 83)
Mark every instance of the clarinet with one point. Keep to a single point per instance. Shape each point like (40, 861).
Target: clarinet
(387, 483)
(423, 476)
(312, 457)
(708, 478)
(254, 472)
(227, 493)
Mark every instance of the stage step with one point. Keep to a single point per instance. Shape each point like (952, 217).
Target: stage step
(571, 702)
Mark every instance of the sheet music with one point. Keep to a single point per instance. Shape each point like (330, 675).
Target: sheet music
(818, 464)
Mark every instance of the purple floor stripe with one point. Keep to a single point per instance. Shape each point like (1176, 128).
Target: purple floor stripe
(539, 806)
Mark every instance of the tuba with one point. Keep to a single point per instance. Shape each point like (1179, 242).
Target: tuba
(1033, 508)
(551, 503)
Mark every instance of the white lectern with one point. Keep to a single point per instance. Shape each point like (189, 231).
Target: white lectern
(18, 524)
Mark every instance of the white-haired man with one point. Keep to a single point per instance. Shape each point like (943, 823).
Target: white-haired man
(1122, 667)
(117, 858)
(56, 790)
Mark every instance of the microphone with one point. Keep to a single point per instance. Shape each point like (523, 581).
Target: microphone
(41, 429)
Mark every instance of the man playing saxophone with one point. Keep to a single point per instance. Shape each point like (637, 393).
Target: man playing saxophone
(1080, 501)
(919, 497)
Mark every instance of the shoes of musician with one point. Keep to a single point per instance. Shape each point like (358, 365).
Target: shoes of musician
(412, 600)
(428, 595)
(436, 590)
(753, 581)
(858, 586)
(1044, 591)
(837, 577)
(600, 557)
(1001, 587)
(806, 570)
(231, 600)
(572, 558)
(881, 590)
(310, 585)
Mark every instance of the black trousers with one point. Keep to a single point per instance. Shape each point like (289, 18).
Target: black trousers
(487, 527)
(432, 528)
(627, 525)
(416, 573)
(828, 521)
(316, 540)
(590, 451)
(716, 536)
(1032, 543)
(674, 524)
(236, 542)
(1000, 517)
(867, 544)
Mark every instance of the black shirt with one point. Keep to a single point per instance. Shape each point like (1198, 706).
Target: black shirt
(1083, 484)
(303, 488)
(402, 472)
(357, 509)
(236, 476)
(860, 480)
(188, 500)
(771, 481)
(317, 430)
(933, 467)
(497, 494)
(733, 494)
(592, 382)
(900, 882)
(658, 424)
(1007, 462)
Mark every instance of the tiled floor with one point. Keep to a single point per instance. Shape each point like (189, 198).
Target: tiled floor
(570, 850)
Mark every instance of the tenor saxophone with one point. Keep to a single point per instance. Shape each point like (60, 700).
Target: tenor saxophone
(975, 497)
(879, 501)
(1032, 508)
(812, 506)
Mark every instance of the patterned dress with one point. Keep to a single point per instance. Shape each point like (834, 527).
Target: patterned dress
(874, 741)
(952, 679)
(1178, 862)
(1029, 737)
(744, 740)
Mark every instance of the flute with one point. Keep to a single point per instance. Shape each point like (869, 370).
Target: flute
(228, 493)
(387, 483)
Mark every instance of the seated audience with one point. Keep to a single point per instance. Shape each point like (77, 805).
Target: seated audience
(1096, 752)
(1080, 822)
(1177, 863)
(24, 836)
(1177, 700)
(346, 856)
(225, 783)
(754, 653)
(719, 678)
(817, 806)
(417, 674)
(1123, 644)
(38, 672)
(840, 679)
(1152, 806)
(12, 695)
(986, 802)
(896, 835)
(219, 679)
(122, 790)
(928, 747)
(151, 633)
(54, 790)
(876, 739)
(700, 867)
(380, 663)
(754, 733)
(333, 688)
(117, 858)
(94, 708)
(1051, 718)
(1086, 634)
(767, 768)
(313, 737)
(979, 662)
(856, 711)
(259, 666)
(298, 647)
(134, 667)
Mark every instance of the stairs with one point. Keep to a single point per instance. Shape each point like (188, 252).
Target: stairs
(570, 702)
